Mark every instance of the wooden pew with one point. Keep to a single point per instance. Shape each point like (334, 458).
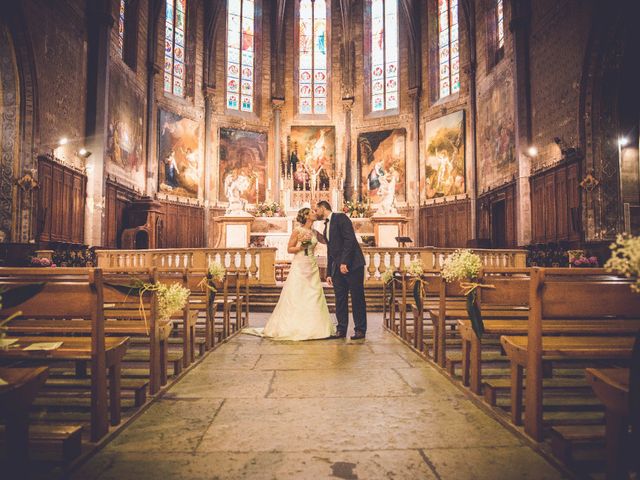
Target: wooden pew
(577, 297)
(16, 397)
(128, 313)
(611, 386)
(235, 300)
(501, 306)
(187, 317)
(70, 293)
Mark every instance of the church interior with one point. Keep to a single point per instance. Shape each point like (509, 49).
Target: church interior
(155, 156)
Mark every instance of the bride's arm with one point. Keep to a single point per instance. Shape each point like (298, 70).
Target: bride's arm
(292, 246)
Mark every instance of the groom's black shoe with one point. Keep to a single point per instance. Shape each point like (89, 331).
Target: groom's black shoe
(339, 334)
(358, 336)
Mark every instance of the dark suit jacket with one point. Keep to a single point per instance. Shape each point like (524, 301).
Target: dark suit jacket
(343, 246)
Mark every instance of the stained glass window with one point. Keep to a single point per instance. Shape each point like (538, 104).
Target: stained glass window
(240, 54)
(312, 57)
(384, 55)
(500, 24)
(174, 48)
(448, 47)
(121, 28)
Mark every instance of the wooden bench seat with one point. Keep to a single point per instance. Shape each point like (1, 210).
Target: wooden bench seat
(52, 442)
(495, 385)
(564, 438)
(137, 386)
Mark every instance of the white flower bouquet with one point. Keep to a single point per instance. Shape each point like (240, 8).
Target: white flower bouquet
(171, 298)
(462, 265)
(625, 258)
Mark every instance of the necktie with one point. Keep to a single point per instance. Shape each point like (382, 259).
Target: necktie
(325, 233)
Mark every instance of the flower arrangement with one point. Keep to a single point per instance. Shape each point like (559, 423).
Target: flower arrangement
(171, 298)
(387, 275)
(461, 265)
(356, 209)
(216, 271)
(625, 258)
(272, 209)
(584, 262)
(416, 267)
(41, 262)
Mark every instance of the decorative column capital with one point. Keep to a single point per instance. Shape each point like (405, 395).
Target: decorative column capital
(347, 104)
(414, 92)
(277, 103)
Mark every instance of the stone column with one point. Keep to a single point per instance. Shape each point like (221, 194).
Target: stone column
(347, 106)
(100, 23)
(521, 28)
(277, 104)
(208, 157)
(414, 94)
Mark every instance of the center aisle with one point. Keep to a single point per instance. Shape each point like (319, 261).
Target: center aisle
(258, 409)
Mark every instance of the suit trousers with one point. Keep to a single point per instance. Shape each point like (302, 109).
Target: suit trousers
(352, 282)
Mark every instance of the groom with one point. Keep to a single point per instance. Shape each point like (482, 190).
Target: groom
(345, 270)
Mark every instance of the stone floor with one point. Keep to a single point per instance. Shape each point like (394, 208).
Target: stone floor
(258, 409)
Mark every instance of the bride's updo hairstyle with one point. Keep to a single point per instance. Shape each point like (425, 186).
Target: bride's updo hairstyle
(303, 214)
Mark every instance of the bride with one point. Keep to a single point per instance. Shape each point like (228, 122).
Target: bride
(301, 312)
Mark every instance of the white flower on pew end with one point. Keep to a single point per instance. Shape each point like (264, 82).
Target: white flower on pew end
(216, 271)
(416, 268)
(387, 275)
(625, 258)
(171, 299)
(461, 265)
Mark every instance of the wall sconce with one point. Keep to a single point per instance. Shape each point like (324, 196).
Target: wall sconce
(532, 151)
(623, 141)
(84, 153)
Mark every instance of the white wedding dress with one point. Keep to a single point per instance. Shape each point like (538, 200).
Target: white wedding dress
(301, 312)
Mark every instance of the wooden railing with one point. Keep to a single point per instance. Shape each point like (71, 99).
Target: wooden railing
(259, 262)
(379, 260)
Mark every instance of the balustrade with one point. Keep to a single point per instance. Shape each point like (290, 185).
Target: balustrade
(259, 262)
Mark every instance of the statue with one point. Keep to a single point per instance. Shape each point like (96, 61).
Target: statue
(234, 185)
(387, 192)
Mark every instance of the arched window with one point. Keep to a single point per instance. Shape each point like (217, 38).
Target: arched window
(128, 31)
(123, 6)
(174, 50)
(313, 57)
(448, 47)
(384, 55)
(240, 55)
(500, 24)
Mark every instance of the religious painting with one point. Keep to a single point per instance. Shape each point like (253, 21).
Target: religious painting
(125, 132)
(496, 135)
(381, 157)
(179, 155)
(243, 166)
(312, 157)
(443, 170)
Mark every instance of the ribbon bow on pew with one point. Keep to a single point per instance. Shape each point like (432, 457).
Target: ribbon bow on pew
(470, 290)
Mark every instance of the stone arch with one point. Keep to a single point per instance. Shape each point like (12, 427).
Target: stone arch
(610, 57)
(19, 128)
